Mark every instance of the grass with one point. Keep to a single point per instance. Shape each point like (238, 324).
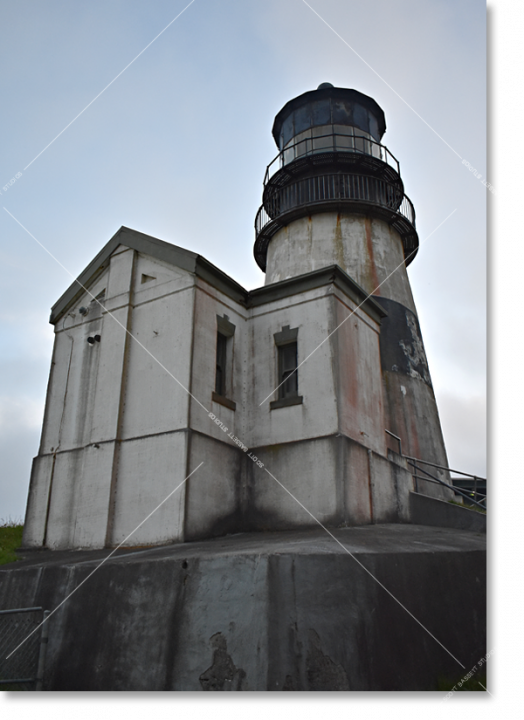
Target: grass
(459, 685)
(10, 540)
(468, 507)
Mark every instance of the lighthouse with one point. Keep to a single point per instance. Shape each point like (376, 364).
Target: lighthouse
(334, 195)
(273, 409)
(251, 454)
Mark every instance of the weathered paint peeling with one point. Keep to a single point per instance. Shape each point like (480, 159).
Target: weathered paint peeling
(414, 352)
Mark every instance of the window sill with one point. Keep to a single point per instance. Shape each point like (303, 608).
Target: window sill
(221, 400)
(286, 402)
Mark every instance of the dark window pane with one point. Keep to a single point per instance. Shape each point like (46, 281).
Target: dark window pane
(220, 379)
(342, 112)
(302, 118)
(321, 112)
(361, 118)
(289, 386)
(288, 130)
(287, 362)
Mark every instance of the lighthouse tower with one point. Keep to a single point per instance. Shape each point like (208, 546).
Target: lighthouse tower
(334, 195)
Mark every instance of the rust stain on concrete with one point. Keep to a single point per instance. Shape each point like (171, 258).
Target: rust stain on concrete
(373, 270)
(339, 245)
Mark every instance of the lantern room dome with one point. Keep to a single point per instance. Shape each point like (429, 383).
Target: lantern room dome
(328, 105)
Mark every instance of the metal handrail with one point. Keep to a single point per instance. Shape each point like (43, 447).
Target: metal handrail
(412, 461)
(399, 440)
(476, 493)
(440, 467)
(419, 477)
(441, 482)
(306, 147)
(370, 191)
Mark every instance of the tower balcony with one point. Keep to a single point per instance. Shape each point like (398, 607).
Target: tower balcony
(337, 191)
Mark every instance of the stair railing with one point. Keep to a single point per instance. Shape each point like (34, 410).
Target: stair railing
(431, 478)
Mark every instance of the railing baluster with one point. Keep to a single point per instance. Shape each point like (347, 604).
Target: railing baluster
(323, 188)
(332, 187)
(352, 143)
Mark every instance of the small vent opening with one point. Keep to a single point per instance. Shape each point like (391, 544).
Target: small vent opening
(147, 278)
(99, 298)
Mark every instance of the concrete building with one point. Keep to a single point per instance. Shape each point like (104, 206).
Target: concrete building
(163, 364)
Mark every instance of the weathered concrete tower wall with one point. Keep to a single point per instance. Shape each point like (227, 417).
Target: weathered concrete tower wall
(334, 195)
(371, 252)
(368, 249)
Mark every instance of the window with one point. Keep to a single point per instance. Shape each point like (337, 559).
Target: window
(287, 368)
(220, 380)
(224, 358)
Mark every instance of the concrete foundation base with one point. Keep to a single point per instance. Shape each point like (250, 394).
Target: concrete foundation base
(264, 611)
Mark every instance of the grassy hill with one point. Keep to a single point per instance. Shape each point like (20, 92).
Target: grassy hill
(10, 540)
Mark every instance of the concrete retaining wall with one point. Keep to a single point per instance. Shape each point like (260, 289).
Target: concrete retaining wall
(431, 511)
(276, 611)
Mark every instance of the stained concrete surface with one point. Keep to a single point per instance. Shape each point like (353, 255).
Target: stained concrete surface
(262, 611)
(431, 511)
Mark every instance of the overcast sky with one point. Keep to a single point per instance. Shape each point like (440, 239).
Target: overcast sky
(177, 147)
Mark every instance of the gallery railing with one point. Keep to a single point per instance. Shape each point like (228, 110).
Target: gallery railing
(330, 143)
(340, 188)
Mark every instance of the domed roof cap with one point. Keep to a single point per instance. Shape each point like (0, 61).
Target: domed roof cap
(329, 105)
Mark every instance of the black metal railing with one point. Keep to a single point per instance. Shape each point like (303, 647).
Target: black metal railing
(473, 485)
(428, 477)
(471, 497)
(334, 188)
(331, 142)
